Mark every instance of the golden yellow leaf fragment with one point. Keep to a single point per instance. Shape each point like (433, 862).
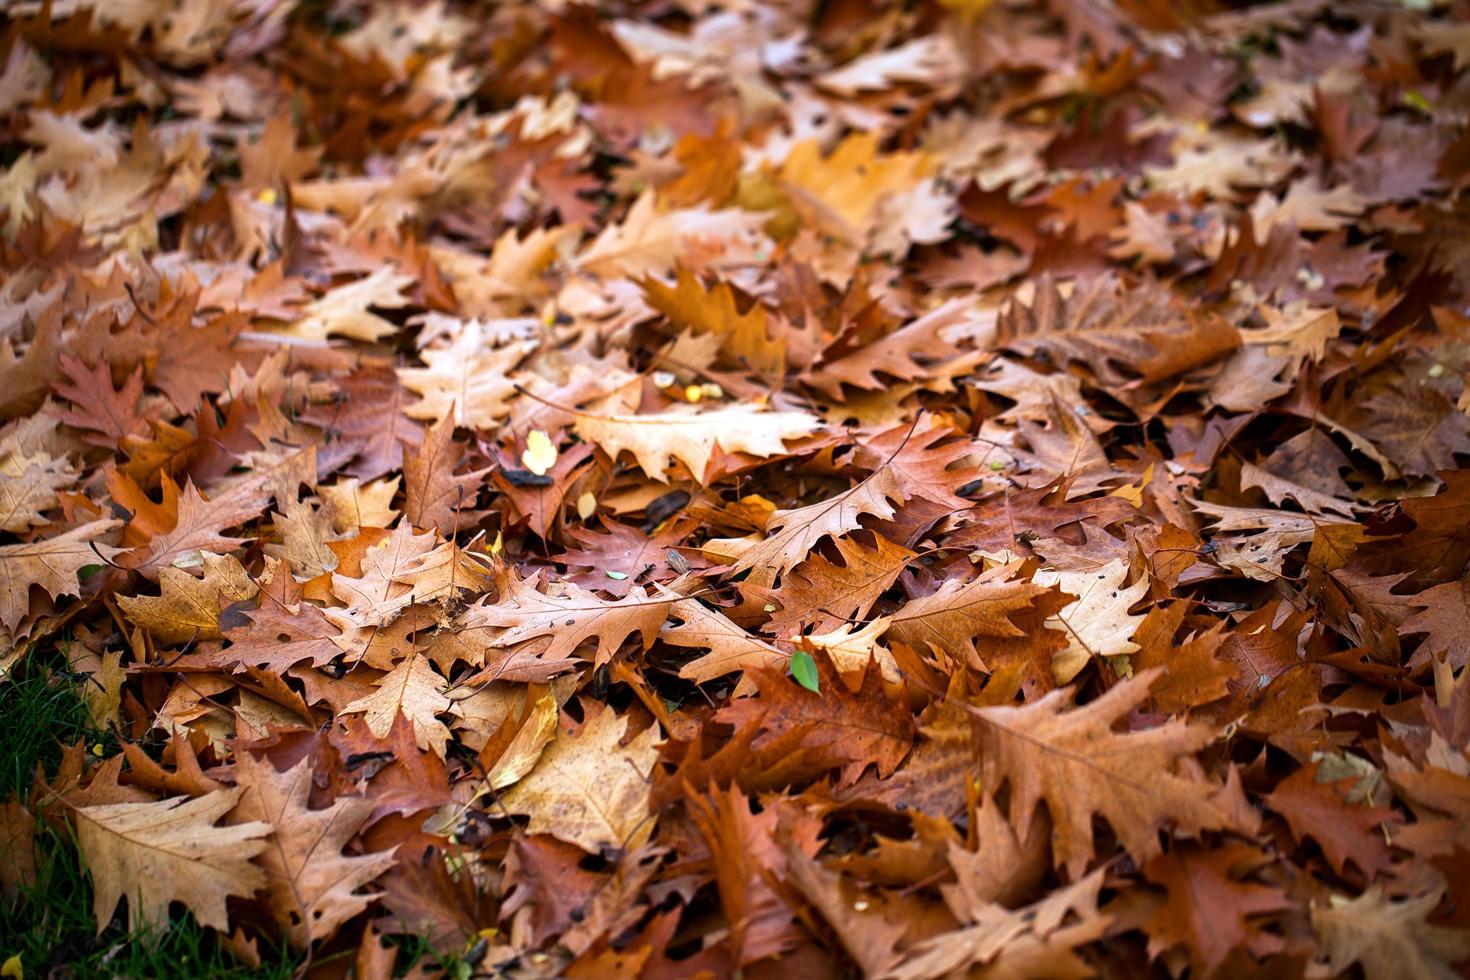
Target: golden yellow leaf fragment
(521, 755)
(849, 183)
(539, 455)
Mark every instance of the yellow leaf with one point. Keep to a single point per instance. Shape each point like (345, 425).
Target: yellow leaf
(849, 183)
(540, 454)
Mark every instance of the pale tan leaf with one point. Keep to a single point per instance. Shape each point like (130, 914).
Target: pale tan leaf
(413, 690)
(1388, 939)
(346, 311)
(52, 564)
(312, 887)
(1098, 623)
(590, 790)
(169, 851)
(691, 436)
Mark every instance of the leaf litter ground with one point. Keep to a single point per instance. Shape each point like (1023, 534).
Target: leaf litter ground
(681, 489)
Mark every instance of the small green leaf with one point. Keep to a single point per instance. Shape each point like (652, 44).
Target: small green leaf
(617, 576)
(87, 571)
(804, 669)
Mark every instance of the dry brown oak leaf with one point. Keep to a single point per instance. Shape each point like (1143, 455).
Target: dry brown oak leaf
(52, 564)
(1389, 940)
(311, 885)
(169, 851)
(589, 789)
(1074, 762)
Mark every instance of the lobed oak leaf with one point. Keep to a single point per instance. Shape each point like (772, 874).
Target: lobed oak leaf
(571, 616)
(1080, 768)
(650, 241)
(867, 934)
(468, 380)
(108, 416)
(851, 648)
(52, 564)
(547, 892)
(615, 559)
(745, 337)
(1417, 427)
(171, 850)
(369, 414)
(442, 574)
(849, 722)
(188, 607)
(280, 631)
(1003, 868)
(1098, 623)
(1314, 807)
(824, 594)
(378, 592)
(1034, 941)
(354, 505)
(792, 534)
(312, 887)
(1444, 618)
(930, 60)
(434, 495)
(750, 865)
(1388, 939)
(590, 789)
(28, 486)
(305, 528)
(691, 436)
(959, 613)
(185, 523)
(346, 311)
(411, 690)
(1194, 672)
(730, 647)
(274, 159)
(1209, 908)
(909, 353)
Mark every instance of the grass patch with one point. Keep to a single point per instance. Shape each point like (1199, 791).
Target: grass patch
(50, 924)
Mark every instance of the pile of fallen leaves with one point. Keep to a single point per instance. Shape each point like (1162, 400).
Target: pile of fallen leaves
(797, 489)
